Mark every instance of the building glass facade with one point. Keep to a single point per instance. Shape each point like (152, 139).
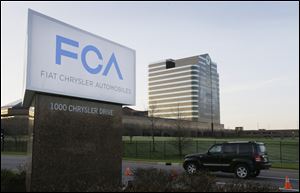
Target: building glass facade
(186, 88)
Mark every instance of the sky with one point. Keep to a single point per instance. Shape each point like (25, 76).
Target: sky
(255, 45)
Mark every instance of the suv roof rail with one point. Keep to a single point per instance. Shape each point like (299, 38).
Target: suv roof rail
(241, 142)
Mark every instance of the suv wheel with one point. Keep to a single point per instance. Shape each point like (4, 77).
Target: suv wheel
(191, 168)
(241, 171)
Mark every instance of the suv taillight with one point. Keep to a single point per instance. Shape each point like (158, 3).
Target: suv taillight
(258, 158)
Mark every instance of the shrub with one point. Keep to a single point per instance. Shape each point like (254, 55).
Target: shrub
(149, 180)
(12, 182)
(154, 180)
(201, 182)
(245, 186)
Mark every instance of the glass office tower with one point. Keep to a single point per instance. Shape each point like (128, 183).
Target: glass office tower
(186, 88)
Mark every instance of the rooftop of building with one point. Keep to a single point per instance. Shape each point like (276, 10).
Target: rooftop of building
(164, 60)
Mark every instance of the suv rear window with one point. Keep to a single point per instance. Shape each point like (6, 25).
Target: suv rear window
(261, 148)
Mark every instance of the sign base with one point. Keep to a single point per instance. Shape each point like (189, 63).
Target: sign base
(76, 145)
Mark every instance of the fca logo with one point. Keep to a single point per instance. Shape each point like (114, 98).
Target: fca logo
(89, 48)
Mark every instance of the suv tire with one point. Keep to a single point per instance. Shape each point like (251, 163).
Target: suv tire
(242, 171)
(192, 168)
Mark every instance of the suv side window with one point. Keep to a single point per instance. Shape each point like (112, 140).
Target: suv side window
(230, 148)
(215, 149)
(245, 148)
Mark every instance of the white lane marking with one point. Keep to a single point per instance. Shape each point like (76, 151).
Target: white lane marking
(275, 178)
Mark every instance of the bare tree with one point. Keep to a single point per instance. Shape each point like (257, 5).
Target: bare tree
(151, 115)
(181, 133)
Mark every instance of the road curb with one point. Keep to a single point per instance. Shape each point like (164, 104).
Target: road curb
(168, 163)
(288, 190)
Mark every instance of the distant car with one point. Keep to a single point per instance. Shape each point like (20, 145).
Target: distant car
(244, 159)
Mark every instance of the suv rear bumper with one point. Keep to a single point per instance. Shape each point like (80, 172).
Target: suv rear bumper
(263, 166)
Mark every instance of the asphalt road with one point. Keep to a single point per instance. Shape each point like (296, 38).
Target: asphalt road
(274, 177)
(13, 162)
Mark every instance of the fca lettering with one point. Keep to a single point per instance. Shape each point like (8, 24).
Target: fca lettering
(89, 48)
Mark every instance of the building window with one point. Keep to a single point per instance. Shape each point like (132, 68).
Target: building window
(170, 64)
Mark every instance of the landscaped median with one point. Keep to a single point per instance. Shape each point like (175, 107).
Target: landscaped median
(153, 180)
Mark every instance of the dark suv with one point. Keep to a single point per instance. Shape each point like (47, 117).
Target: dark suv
(245, 159)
